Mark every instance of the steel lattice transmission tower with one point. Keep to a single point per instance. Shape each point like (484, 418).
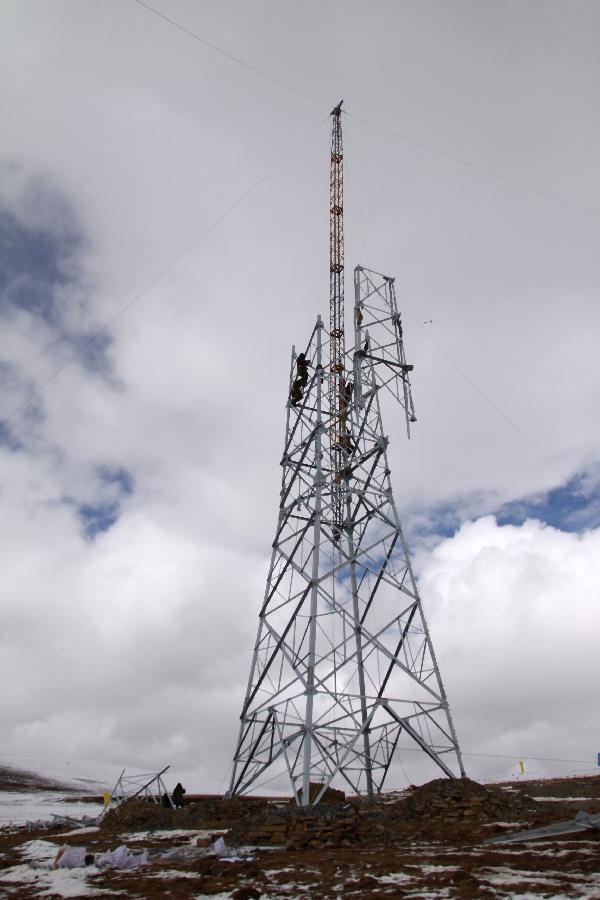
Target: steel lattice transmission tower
(343, 664)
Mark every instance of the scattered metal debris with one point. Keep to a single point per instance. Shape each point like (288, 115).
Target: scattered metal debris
(582, 822)
(148, 786)
(65, 821)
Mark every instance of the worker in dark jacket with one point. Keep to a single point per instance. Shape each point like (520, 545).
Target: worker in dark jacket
(296, 395)
(178, 795)
(302, 368)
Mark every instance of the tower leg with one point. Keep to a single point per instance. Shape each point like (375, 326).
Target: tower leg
(316, 543)
(357, 637)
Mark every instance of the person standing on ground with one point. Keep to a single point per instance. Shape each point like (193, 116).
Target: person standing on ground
(178, 795)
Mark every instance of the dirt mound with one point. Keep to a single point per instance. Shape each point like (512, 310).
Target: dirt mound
(144, 815)
(457, 806)
(219, 813)
(330, 795)
(453, 805)
(136, 815)
(462, 800)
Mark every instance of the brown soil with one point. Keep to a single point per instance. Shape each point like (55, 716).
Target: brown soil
(213, 812)
(427, 841)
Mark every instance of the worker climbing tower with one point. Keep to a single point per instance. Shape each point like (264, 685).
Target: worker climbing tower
(343, 665)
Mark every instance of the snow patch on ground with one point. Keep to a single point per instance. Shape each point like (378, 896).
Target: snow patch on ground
(166, 834)
(395, 796)
(270, 872)
(224, 896)
(531, 847)
(433, 870)
(19, 808)
(536, 896)
(290, 886)
(173, 873)
(90, 830)
(504, 824)
(395, 878)
(55, 882)
(440, 892)
(41, 851)
(501, 875)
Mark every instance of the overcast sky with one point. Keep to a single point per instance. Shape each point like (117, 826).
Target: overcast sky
(139, 486)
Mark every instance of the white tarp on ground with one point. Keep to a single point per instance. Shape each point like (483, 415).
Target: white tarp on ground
(121, 858)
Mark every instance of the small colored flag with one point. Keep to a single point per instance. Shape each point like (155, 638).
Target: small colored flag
(522, 765)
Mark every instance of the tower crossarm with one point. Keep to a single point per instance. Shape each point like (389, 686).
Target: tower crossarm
(379, 341)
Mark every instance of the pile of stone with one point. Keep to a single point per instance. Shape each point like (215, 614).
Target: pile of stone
(343, 829)
(217, 813)
(305, 829)
(339, 825)
(457, 806)
(439, 805)
(210, 813)
(461, 801)
(137, 815)
(328, 795)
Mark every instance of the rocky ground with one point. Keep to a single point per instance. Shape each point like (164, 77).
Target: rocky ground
(424, 842)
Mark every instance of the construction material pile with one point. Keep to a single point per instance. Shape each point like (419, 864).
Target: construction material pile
(457, 807)
(463, 801)
(135, 815)
(317, 791)
(215, 812)
(295, 827)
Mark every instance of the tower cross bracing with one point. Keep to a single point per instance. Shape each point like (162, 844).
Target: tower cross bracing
(343, 665)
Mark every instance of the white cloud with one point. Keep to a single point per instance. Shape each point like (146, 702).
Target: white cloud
(515, 617)
(135, 647)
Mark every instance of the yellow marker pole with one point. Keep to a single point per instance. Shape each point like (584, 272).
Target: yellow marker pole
(106, 798)
(522, 766)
